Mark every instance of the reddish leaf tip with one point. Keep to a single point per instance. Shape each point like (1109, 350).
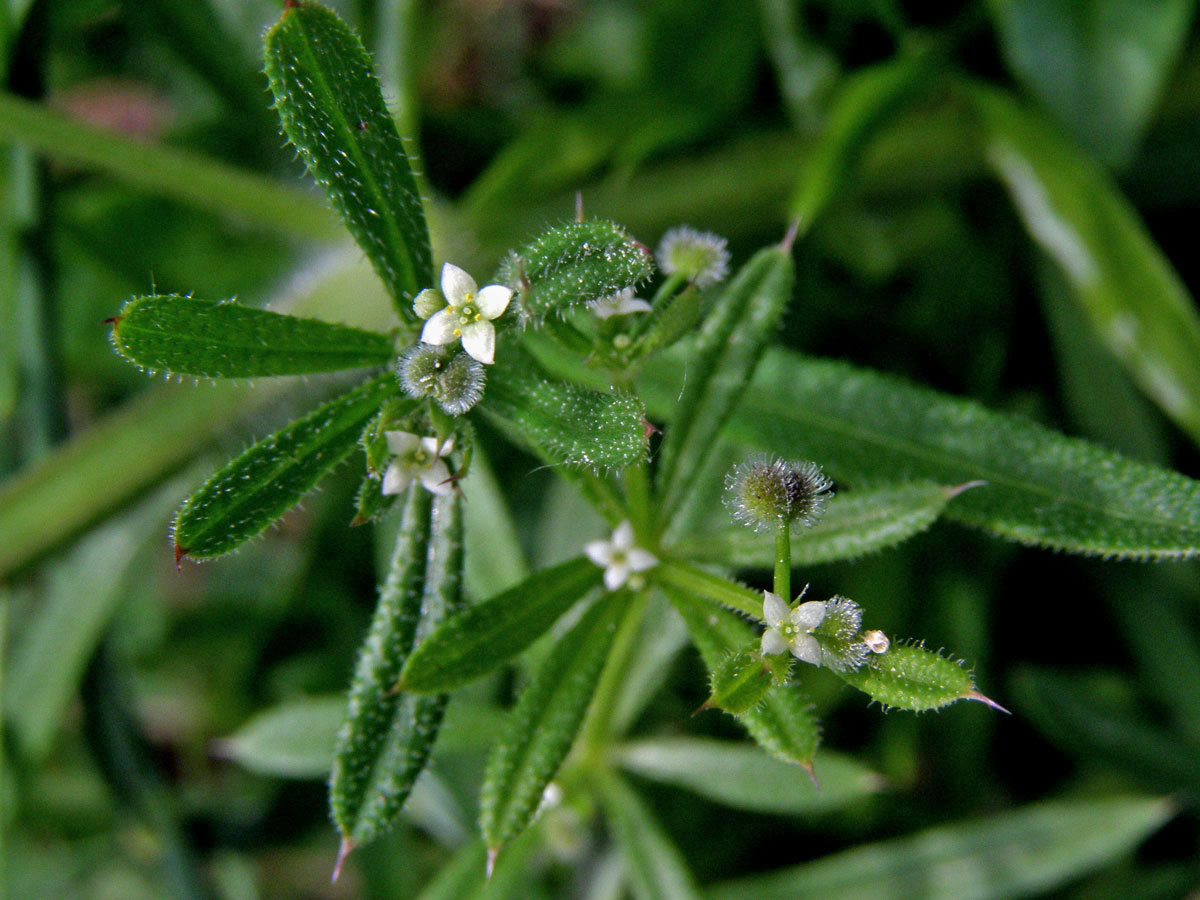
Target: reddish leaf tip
(344, 849)
(965, 486)
(492, 853)
(180, 553)
(807, 766)
(987, 701)
(790, 238)
(289, 5)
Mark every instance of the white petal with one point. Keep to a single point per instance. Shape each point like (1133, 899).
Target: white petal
(616, 575)
(430, 446)
(440, 327)
(773, 642)
(809, 615)
(396, 479)
(493, 300)
(622, 538)
(401, 443)
(436, 479)
(806, 649)
(456, 284)
(599, 552)
(603, 309)
(775, 609)
(447, 447)
(479, 340)
(640, 560)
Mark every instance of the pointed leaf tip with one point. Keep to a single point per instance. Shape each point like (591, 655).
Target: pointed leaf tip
(344, 850)
(180, 553)
(957, 489)
(807, 766)
(987, 701)
(492, 853)
(790, 238)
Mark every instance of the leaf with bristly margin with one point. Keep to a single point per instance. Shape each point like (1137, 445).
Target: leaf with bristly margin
(855, 523)
(571, 265)
(656, 868)
(542, 726)
(270, 477)
(1041, 487)
(907, 676)
(294, 739)
(731, 341)
(740, 775)
(1135, 301)
(1026, 851)
(386, 737)
(332, 110)
(783, 724)
(562, 422)
(181, 335)
(484, 636)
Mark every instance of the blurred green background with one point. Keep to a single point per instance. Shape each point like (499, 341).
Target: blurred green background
(138, 152)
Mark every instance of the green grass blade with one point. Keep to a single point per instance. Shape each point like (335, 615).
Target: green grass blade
(1015, 854)
(184, 335)
(1134, 299)
(173, 173)
(854, 524)
(485, 636)
(1042, 488)
(544, 723)
(729, 346)
(332, 110)
(742, 776)
(257, 487)
(656, 868)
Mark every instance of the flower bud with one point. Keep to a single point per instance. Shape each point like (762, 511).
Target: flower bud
(428, 302)
(767, 491)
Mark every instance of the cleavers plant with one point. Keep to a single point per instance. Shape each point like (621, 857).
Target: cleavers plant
(582, 338)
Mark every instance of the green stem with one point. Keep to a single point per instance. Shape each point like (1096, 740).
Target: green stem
(783, 560)
(637, 502)
(597, 729)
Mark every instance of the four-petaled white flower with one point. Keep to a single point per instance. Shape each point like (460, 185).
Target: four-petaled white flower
(420, 458)
(622, 303)
(791, 629)
(619, 557)
(467, 316)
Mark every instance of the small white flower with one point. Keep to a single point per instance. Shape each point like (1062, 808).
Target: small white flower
(622, 303)
(619, 557)
(468, 315)
(420, 458)
(701, 256)
(791, 629)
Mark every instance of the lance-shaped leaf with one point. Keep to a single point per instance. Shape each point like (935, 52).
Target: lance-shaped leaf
(656, 868)
(783, 724)
(907, 676)
(1024, 852)
(1136, 302)
(728, 348)
(571, 265)
(295, 739)
(332, 110)
(740, 681)
(1042, 487)
(386, 738)
(270, 477)
(488, 634)
(562, 422)
(543, 724)
(186, 336)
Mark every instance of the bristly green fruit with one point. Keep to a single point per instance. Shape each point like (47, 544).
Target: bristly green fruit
(181, 335)
(260, 485)
(332, 110)
(910, 677)
(571, 265)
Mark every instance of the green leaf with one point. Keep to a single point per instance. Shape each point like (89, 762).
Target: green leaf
(855, 523)
(485, 636)
(730, 343)
(656, 868)
(571, 265)
(1089, 719)
(562, 422)
(1027, 851)
(270, 477)
(784, 724)
(742, 776)
(1134, 299)
(907, 676)
(1042, 487)
(294, 739)
(386, 737)
(740, 681)
(695, 581)
(332, 110)
(1098, 66)
(182, 335)
(543, 724)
